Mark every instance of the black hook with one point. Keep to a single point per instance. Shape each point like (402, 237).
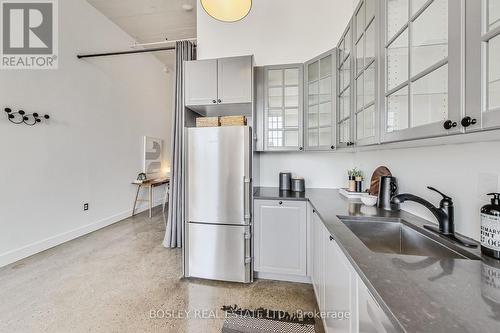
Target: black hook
(24, 117)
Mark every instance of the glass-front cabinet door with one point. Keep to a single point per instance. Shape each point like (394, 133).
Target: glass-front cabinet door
(283, 107)
(422, 69)
(483, 77)
(365, 74)
(345, 90)
(319, 103)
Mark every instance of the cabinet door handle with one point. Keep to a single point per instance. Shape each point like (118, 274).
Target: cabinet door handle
(331, 238)
(301, 148)
(332, 147)
(280, 203)
(467, 121)
(214, 101)
(449, 124)
(219, 101)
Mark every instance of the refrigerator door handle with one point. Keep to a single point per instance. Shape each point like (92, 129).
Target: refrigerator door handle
(246, 199)
(246, 239)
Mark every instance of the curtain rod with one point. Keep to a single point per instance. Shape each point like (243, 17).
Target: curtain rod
(156, 49)
(135, 45)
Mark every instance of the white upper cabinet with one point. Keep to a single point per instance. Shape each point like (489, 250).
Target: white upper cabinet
(200, 82)
(404, 70)
(483, 65)
(345, 64)
(283, 107)
(219, 81)
(235, 80)
(422, 69)
(366, 74)
(320, 106)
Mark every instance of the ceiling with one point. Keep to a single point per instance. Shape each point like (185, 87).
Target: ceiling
(152, 20)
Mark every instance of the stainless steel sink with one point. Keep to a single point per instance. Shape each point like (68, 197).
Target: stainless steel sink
(398, 238)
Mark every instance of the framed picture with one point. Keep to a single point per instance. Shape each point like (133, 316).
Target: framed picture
(153, 148)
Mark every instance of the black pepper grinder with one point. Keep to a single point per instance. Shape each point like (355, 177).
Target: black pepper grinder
(490, 227)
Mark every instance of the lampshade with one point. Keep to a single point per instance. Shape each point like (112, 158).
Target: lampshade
(227, 10)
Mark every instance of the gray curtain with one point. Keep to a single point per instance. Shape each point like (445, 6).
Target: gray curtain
(175, 216)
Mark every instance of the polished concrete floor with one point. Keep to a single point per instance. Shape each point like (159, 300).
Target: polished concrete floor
(121, 279)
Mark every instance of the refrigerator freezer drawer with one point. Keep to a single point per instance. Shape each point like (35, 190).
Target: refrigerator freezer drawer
(219, 252)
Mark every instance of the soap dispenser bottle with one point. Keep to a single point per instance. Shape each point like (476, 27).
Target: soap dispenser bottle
(490, 227)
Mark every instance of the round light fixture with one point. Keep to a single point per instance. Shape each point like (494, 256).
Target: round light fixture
(227, 10)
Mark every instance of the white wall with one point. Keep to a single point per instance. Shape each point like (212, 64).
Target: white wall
(319, 169)
(91, 148)
(277, 31)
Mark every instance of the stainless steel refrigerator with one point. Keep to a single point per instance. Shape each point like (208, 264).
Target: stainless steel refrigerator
(218, 204)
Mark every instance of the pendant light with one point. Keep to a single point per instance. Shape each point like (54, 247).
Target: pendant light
(227, 10)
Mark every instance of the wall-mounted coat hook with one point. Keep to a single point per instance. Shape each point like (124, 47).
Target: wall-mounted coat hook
(21, 117)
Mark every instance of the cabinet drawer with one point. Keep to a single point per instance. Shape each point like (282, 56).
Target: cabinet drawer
(280, 237)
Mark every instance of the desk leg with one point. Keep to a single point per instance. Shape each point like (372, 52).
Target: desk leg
(136, 197)
(150, 201)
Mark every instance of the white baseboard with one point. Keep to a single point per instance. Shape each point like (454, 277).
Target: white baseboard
(282, 277)
(12, 256)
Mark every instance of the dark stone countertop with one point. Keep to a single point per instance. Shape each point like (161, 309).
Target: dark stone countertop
(419, 294)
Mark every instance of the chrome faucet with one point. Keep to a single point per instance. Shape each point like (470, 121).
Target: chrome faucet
(445, 214)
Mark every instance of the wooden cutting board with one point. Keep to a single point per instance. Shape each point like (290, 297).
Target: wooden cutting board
(374, 183)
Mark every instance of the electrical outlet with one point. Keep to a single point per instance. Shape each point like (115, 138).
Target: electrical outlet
(85, 206)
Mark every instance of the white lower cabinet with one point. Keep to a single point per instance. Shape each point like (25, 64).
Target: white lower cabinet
(280, 239)
(372, 319)
(318, 259)
(340, 290)
(292, 243)
(342, 297)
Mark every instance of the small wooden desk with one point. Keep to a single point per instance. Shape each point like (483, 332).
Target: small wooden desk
(151, 184)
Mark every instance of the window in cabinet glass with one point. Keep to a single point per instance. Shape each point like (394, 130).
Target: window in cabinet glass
(397, 61)
(397, 16)
(365, 123)
(344, 106)
(360, 93)
(493, 14)
(365, 73)
(360, 52)
(429, 37)
(283, 108)
(319, 124)
(343, 93)
(416, 67)
(492, 50)
(430, 98)
(345, 131)
(397, 110)
(493, 74)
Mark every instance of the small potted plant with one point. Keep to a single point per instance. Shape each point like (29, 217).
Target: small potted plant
(352, 179)
(358, 178)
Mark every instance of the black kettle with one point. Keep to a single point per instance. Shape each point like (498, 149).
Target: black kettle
(388, 187)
